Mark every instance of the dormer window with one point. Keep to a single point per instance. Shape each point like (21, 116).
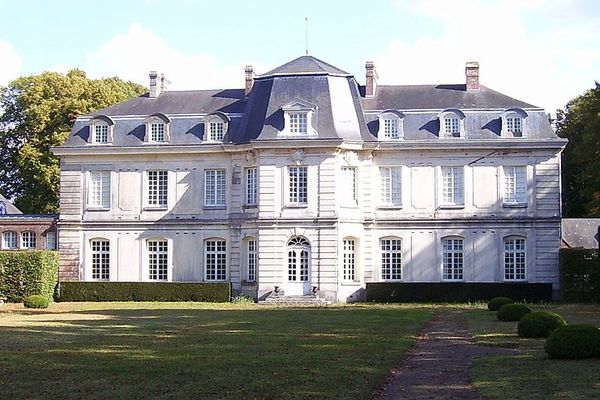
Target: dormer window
(452, 123)
(298, 123)
(514, 123)
(216, 126)
(101, 130)
(217, 131)
(297, 119)
(390, 125)
(157, 128)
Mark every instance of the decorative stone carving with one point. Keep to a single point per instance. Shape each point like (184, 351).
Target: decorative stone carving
(351, 158)
(297, 156)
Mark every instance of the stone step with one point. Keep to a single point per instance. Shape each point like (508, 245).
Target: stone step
(304, 301)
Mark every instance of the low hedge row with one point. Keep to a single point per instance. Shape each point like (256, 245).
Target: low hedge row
(456, 292)
(144, 291)
(26, 273)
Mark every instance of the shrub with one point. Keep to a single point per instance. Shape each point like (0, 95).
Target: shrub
(36, 301)
(497, 302)
(145, 291)
(574, 342)
(539, 324)
(512, 312)
(243, 298)
(23, 273)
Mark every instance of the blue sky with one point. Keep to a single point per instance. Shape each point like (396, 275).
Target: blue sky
(541, 51)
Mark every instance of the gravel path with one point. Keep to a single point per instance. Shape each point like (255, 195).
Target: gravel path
(439, 364)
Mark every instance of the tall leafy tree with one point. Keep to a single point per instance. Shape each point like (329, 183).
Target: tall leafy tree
(580, 123)
(37, 112)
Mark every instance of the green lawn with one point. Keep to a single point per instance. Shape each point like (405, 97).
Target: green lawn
(529, 374)
(205, 351)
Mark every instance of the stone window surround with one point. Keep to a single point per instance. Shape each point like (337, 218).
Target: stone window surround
(451, 113)
(157, 118)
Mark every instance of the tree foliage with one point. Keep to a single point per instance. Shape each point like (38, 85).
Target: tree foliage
(36, 113)
(580, 123)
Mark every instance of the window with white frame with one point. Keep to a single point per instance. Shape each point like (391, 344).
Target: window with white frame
(298, 259)
(391, 259)
(451, 125)
(158, 259)
(452, 186)
(51, 240)
(298, 184)
(299, 123)
(99, 194)
(514, 124)
(452, 259)
(252, 186)
(252, 258)
(215, 259)
(100, 259)
(515, 185)
(9, 240)
(157, 132)
(28, 240)
(515, 256)
(214, 187)
(216, 131)
(348, 186)
(390, 128)
(101, 133)
(158, 184)
(349, 259)
(390, 186)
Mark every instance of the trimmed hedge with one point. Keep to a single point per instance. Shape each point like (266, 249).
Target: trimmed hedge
(36, 301)
(399, 292)
(574, 342)
(539, 324)
(579, 275)
(512, 312)
(145, 291)
(497, 302)
(25, 273)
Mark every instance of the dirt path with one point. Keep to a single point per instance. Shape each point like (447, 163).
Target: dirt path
(439, 364)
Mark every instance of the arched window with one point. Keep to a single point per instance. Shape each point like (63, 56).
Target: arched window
(452, 258)
(100, 250)
(28, 240)
(101, 130)
(298, 256)
(390, 125)
(452, 123)
(514, 123)
(515, 258)
(157, 128)
(391, 258)
(216, 127)
(9, 240)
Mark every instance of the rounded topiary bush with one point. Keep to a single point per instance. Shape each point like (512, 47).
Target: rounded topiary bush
(35, 301)
(497, 302)
(539, 324)
(512, 312)
(574, 342)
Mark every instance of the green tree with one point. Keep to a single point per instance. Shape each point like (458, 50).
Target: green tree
(37, 112)
(580, 123)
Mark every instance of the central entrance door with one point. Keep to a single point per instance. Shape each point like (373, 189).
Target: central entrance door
(298, 267)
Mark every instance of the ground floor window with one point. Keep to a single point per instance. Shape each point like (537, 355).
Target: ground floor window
(452, 259)
(158, 251)
(100, 259)
(515, 256)
(298, 252)
(349, 260)
(215, 259)
(9, 240)
(391, 259)
(28, 240)
(252, 257)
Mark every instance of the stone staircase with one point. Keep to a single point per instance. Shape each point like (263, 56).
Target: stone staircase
(280, 299)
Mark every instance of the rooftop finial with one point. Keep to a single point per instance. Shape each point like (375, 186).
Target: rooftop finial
(306, 33)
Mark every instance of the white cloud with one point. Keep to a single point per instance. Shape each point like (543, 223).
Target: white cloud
(133, 54)
(11, 62)
(545, 62)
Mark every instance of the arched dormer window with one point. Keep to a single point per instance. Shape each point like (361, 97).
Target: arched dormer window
(157, 128)
(514, 123)
(452, 123)
(298, 117)
(216, 126)
(391, 125)
(101, 130)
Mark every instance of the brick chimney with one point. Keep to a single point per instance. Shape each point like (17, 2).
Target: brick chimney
(154, 85)
(371, 81)
(472, 75)
(249, 70)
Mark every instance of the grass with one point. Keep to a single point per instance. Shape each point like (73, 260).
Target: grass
(528, 373)
(206, 351)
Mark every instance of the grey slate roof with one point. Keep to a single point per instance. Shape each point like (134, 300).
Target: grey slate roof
(305, 65)
(580, 232)
(8, 208)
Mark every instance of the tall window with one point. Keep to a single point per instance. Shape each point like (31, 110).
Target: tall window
(9, 240)
(100, 259)
(158, 261)
(515, 256)
(451, 125)
(252, 260)
(391, 186)
(99, 189)
(514, 124)
(215, 259)
(101, 134)
(214, 187)
(452, 259)
(391, 259)
(348, 185)
(298, 123)
(28, 240)
(515, 185)
(158, 188)
(453, 186)
(390, 128)
(298, 259)
(298, 185)
(217, 131)
(51, 240)
(157, 132)
(252, 186)
(349, 260)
